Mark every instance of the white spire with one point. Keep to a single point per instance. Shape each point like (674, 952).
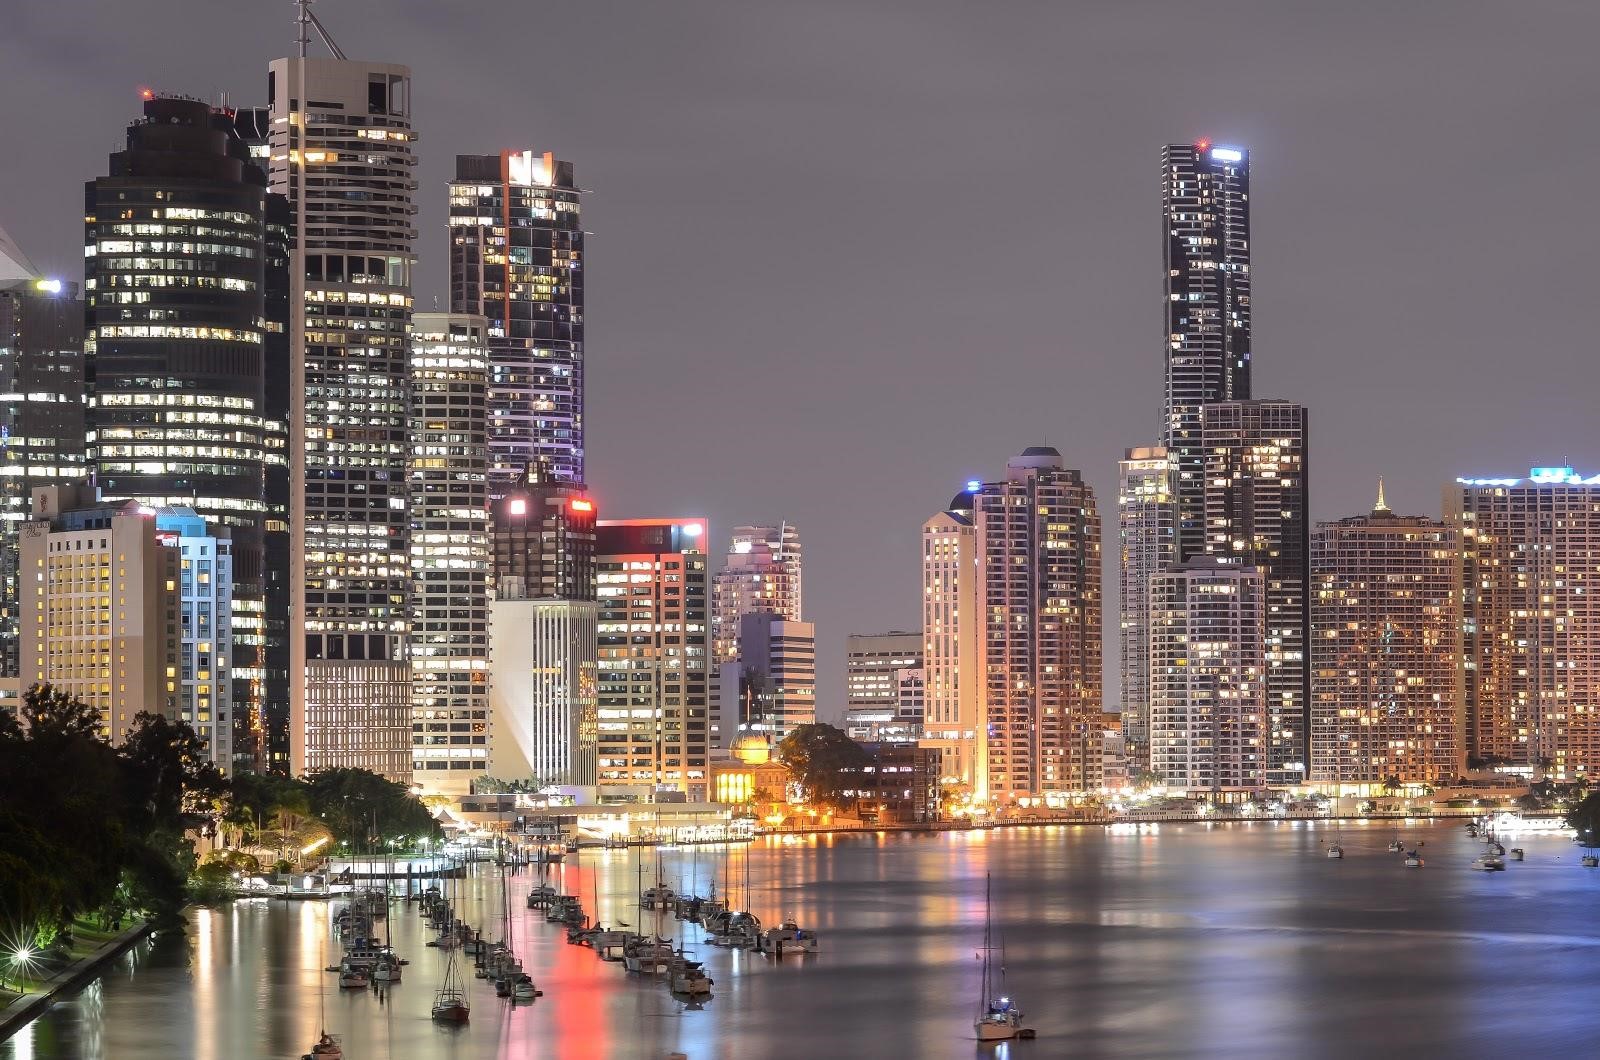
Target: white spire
(14, 264)
(1380, 506)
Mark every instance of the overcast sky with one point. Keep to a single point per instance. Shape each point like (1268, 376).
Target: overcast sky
(847, 255)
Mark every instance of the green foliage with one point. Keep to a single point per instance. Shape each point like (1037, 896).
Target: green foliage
(86, 826)
(821, 758)
(1585, 817)
(365, 810)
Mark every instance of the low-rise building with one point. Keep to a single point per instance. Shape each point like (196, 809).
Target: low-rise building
(100, 603)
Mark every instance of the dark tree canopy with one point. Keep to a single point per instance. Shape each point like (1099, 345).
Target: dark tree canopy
(820, 758)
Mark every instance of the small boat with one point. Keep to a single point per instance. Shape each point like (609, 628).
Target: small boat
(1000, 1018)
(351, 978)
(1489, 863)
(1396, 847)
(1516, 854)
(648, 956)
(1413, 860)
(688, 977)
(788, 937)
(450, 1004)
(387, 969)
(738, 930)
(657, 897)
(1335, 850)
(1497, 850)
(1590, 861)
(522, 989)
(327, 1048)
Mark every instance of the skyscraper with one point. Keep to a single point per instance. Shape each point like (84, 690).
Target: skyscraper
(1385, 643)
(449, 648)
(543, 624)
(655, 720)
(516, 258)
(1258, 515)
(175, 276)
(770, 687)
(341, 152)
(951, 641)
(1145, 516)
(1038, 551)
(1530, 619)
(762, 572)
(41, 419)
(1205, 199)
(1207, 670)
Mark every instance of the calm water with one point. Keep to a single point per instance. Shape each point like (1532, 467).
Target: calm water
(1233, 940)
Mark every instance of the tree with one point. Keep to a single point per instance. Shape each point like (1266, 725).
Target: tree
(1391, 785)
(825, 762)
(50, 714)
(363, 809)
(1585, 817)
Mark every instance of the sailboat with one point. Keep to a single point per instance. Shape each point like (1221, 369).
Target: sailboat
(450, 1004)
(1000, 1019)
(327, 1046)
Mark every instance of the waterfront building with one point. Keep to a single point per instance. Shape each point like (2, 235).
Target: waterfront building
(205, 630)
(1385, 643)
(1258, 515)
(100, 606)
(1207, 677)
(516, 258)
(176, 250)
(340, 150)
(951, 629)
(1038, 553)
(900, 783)
(655, 722)
(543, 625)
(885, 686)
(42, 414)
(1145, 518)
(1530, 619)
(762, 572)
(1205, 200)
(449, 650)
(770, 686)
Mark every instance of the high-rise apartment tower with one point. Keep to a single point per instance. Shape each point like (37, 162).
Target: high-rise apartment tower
(341, 151)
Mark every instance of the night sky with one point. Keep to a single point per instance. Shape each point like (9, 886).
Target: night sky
(847, 255)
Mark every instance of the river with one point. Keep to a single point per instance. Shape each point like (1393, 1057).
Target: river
(1178, 940)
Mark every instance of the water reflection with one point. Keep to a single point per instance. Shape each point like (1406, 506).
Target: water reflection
(1190, 940)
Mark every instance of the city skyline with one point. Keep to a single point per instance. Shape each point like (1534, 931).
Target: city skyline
(1386, 406)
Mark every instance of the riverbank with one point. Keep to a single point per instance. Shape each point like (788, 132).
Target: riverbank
(37, 1001)
(1451, 814)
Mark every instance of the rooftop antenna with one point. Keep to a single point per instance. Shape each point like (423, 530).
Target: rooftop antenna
(1380, 506)
(307, 21)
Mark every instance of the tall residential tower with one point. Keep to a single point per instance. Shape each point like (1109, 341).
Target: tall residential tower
(1038, 552)
(1385, 644)
(341, 151)
(1205, 200)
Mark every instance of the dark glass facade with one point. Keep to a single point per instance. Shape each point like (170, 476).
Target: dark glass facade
(41, 418)
(1205, 198)
(176, 347)
(543, 543)
(516, 258)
